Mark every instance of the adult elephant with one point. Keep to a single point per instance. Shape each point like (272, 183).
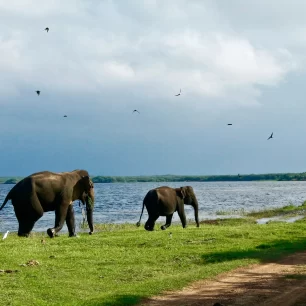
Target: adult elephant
(49, 191)
(164, 201)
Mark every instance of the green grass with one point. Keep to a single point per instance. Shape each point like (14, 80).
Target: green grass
(228, 212)
(121, 264)
(286, 210)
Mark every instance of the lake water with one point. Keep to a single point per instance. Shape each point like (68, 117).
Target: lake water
(118, 203)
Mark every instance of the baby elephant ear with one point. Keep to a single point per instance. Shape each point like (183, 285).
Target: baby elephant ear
(183, 192)
(180, 192)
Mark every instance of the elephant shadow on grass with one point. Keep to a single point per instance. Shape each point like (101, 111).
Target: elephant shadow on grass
(119, 300)
(265, 252)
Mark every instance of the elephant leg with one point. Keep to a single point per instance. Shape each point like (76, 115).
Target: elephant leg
(25, 225)
(25, 228)
(70, 221)
(27, 220)
(181, 213)
(149, 226)
(60, 217)
(168, 222)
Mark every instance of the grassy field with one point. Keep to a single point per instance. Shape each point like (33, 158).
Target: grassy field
(120, 264)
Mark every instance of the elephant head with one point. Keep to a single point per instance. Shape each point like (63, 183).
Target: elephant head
(87, 197)
(187, 194)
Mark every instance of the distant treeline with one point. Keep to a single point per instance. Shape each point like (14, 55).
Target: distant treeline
(201, 178)
(186, 178)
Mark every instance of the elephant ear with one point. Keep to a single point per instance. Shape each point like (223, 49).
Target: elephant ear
(87, 181)
(181, 192)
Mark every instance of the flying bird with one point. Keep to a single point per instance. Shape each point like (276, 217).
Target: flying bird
(135, 110)
(271, 136)
(38, 92)
(47, 29)
(5, 235)
(179, 93)
(229, 124)
(65, 116)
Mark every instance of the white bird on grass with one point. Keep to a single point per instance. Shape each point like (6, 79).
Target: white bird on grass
(5, 235)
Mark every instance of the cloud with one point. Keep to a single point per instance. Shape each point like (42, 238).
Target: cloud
(32, 8)
(236, 61)
(153, 48)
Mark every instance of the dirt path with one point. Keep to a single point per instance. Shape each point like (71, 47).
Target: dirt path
(281, 283)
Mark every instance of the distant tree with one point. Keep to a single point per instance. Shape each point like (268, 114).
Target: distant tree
(185, 178)
(11, 181)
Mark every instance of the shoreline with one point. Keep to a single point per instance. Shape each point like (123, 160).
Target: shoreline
(287, 214)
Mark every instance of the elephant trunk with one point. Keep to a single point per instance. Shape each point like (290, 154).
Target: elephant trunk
(90, 219)
(196, 211)
(90, 200)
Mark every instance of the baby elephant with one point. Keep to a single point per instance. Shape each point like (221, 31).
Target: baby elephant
(164, 201)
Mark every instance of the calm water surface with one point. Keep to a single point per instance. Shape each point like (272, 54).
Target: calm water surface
(117, 203)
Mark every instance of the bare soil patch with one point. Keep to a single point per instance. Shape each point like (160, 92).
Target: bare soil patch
(281, 283)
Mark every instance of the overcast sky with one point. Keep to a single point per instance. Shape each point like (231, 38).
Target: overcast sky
(240, 61)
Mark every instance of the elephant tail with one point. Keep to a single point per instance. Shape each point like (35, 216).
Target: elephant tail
(138, 223)
(8, 197)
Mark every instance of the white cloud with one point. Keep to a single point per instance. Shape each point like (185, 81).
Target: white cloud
(156, 45)
(33, 8)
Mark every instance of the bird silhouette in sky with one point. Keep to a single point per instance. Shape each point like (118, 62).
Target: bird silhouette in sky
(65, 116)
(135, 110)
(47, 29)
(229, 124)
(271, 136)
(5, 235)
(179, 93)
(38, 92)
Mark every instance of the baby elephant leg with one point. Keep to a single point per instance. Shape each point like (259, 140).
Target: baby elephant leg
(149, 226)
(168, 222)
